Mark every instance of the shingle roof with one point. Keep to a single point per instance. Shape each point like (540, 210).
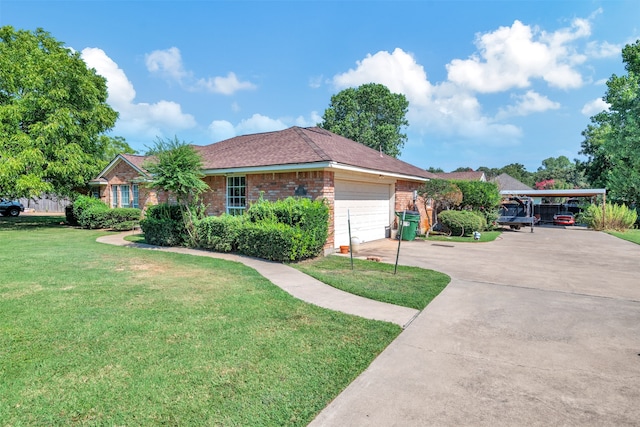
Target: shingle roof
(507, 182)
(300, 146)
(136, 160)
(464, 176)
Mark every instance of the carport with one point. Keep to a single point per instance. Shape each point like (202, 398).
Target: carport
(582, 192)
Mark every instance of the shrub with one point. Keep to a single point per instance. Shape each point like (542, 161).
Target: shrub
(270, 240)
(219, 233)
(82, 204)
(481, 197)
(616, 217)
(164, 226)
(462, 223)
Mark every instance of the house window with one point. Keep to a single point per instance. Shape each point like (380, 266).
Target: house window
(236, 195)
(124, 196)
(114, 196)
(134, 191)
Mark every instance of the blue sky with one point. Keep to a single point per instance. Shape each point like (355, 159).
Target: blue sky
(489, 82)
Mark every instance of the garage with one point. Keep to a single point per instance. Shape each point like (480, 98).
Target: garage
(370, 206)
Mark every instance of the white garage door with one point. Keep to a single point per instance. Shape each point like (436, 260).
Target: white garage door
(369, 206)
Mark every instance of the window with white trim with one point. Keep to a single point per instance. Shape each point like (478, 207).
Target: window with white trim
(134, 192)
(124, 196)
(236, 195)
(114, 196)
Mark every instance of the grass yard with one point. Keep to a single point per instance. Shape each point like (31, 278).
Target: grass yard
(102, 335)
(410, 286)
(630, 235)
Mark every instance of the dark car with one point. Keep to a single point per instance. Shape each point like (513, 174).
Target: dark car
(10, 207)
(564, 218)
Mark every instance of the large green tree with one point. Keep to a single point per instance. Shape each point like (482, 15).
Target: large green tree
(53, 110)
(612, 140)
(371, 115)
(562, 171)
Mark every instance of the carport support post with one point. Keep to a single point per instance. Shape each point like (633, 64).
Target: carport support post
(350, 244)
(395, 269)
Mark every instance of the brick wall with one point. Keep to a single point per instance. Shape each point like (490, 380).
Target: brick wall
(123, 174)
(275, 186)
(404, 200)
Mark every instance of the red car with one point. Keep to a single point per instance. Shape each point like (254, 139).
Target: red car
(564, 218)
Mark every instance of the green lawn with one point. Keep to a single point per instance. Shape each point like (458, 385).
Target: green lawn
(630, 235)
(102, 335)
(409, 286)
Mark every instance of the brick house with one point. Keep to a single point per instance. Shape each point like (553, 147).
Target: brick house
(355, 180)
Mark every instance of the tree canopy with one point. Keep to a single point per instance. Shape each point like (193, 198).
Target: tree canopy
(53, 111)
(370, 115)
(612, 140)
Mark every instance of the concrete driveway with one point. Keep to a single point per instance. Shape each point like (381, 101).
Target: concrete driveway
(535, 328)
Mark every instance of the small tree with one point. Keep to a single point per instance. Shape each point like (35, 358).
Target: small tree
(443, 194)
(176, 167)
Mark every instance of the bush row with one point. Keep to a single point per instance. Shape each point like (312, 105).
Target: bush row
(92, 213)
(616, 217)
(284, 230)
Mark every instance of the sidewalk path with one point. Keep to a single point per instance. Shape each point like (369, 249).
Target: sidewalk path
(295, 283)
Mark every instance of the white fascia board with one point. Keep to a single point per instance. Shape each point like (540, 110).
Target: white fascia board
(309, 166)
(378, 172)
(115, 161)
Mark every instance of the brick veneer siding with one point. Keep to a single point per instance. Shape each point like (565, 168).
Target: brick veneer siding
(275, 186)
(404, 200)
(123, 174)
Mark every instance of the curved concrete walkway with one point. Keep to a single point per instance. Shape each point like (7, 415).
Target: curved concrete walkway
(295, 283)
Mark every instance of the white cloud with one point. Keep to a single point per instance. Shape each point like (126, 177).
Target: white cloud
(603, 50)
(530, 102)
(594, 107)
(511, 57)
(142, 119)
(258, 123)
(167, 62)
(224, 85)
(398, 71)
(220, 130)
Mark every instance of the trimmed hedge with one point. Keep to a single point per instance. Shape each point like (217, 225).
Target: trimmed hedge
(219, 233)
(462, 223)
(92, 213)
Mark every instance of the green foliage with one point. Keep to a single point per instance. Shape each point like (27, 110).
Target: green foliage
(89, 212)
(82, 203)
(176, 167)
(219, 233)
(462, 223)
(616, 217)
(482, 198)
(53, 109)
(284, 230)
(271, 240)
(164, 225)
(443, 193)
(612, 140)
(370, 115)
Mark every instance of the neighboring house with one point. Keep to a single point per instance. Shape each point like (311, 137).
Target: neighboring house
(506, 182)
(463, 176)
(357, 182)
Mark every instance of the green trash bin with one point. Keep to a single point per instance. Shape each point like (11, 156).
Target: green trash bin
(410, 226)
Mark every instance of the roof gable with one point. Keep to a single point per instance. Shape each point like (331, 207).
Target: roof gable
(506, 182)
(134, 161)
